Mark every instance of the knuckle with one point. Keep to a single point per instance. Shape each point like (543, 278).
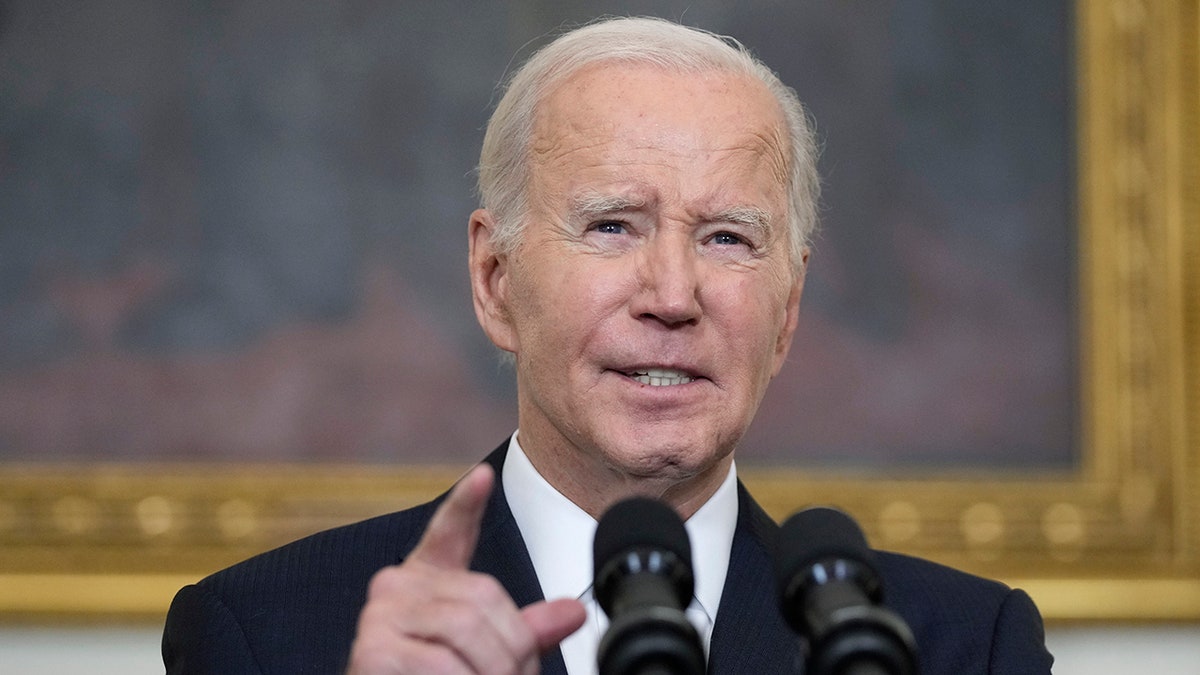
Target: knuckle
(460, 620)
(383, 582)
(395, 581)
(486, 590)
(373, 619)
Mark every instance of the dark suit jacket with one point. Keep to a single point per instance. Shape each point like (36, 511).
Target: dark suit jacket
(294, 609)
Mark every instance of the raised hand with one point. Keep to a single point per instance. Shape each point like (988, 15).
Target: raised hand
(431, 614)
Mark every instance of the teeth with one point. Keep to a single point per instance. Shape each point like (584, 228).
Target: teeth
(661, 377)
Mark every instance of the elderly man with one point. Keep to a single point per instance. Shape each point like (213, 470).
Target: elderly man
(647, 191)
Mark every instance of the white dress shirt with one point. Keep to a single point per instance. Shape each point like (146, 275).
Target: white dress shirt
(559, 537)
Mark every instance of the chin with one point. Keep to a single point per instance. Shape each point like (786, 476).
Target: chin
(671, 461)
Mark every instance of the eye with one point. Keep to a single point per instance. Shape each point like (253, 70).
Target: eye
(727, 239)
(610, 227)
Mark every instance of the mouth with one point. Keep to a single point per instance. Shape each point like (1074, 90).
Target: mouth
(660, 377)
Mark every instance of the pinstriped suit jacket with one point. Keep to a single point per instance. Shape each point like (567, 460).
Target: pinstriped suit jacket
(294, 609)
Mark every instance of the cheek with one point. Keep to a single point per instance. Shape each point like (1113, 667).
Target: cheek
(559, 310)
(753, 317)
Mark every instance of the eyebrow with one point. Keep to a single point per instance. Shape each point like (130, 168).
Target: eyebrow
(591, 205)
(748, 216)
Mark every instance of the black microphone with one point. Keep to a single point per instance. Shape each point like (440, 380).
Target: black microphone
(830, 593)
(643, 581)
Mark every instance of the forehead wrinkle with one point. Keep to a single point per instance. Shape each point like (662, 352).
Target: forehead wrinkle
(760, 147)
(774, 148)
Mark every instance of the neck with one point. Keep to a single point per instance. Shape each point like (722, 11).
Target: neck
(594, 485)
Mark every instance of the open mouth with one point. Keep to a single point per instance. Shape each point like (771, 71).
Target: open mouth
(660, 377)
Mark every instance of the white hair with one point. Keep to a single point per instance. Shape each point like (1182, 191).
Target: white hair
(504, 163)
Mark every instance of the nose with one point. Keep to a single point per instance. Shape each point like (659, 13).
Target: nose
(668, 281)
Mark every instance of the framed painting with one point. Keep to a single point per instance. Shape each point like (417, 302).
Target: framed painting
(225, 357)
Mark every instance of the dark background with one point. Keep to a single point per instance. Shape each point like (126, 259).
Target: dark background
(236, 230)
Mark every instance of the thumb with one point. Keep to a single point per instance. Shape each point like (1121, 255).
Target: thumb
(552, 621)
(449, 540)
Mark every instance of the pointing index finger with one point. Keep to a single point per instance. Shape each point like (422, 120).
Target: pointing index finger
(449, 541)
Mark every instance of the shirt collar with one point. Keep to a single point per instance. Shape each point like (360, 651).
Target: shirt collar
(559, 534)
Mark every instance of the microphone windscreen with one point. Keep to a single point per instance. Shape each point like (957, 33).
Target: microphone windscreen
(643, 582)
(816, 534)
(640, 522)
(831, 592)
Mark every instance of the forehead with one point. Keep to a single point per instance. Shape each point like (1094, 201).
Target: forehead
(616, 114)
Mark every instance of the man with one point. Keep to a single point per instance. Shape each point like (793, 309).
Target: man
(647, 191)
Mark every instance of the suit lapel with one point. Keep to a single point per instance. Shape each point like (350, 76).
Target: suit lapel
(501, 552)
(750, 635)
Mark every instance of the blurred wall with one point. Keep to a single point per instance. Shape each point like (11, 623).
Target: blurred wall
(235, 231)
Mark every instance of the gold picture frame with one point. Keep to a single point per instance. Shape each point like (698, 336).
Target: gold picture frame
(1116, 538)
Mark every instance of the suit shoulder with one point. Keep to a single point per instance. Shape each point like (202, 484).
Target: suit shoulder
(331, 555)
(909, 578)
(291, 609)
(964, 623)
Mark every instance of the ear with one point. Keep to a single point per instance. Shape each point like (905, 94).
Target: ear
(783, 341)
(489, 282)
